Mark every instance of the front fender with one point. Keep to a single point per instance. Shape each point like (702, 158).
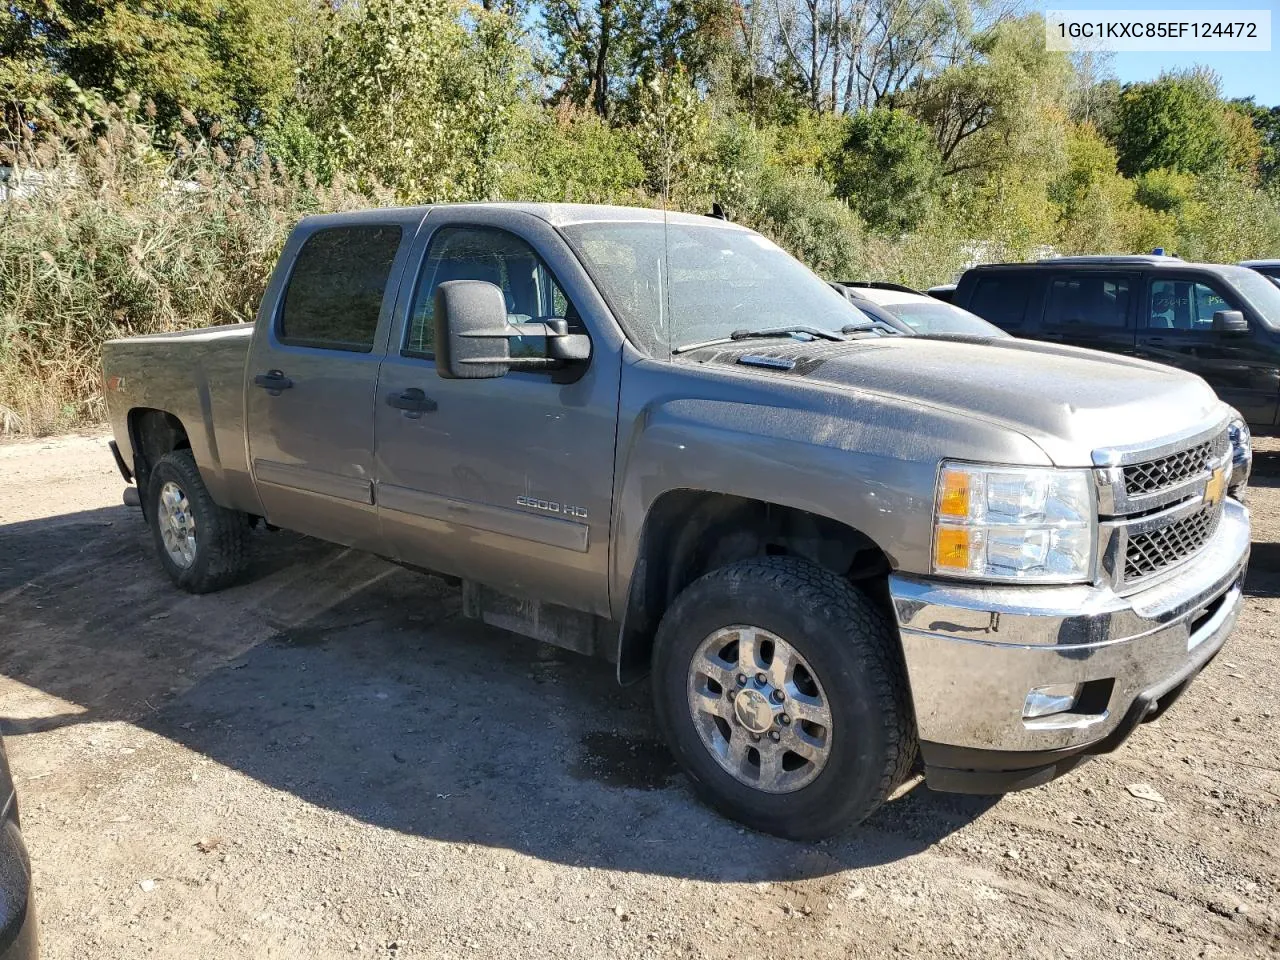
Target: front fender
(864, 461)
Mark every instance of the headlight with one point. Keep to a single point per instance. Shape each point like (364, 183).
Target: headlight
(1014, 523)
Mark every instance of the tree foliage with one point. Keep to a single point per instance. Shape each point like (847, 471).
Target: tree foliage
(888, 169)
(1173, 123)
(411, 96)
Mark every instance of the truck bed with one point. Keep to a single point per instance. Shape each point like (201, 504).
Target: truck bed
(198, 377)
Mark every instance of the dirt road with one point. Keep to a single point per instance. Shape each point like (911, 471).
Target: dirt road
(328, 761)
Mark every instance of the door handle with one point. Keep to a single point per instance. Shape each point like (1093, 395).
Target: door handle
(273, 381)
(413, 402)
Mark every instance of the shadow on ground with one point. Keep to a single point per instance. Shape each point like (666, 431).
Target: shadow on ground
(356, 686)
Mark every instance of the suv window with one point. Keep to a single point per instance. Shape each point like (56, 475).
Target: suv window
(1001, 298)
(1091, 301)
(497, 257)
(335, 291)
(1184, 305)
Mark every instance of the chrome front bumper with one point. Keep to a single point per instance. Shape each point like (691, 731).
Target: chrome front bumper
(974, 652)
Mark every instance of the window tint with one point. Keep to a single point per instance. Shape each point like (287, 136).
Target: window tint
(1001, 298)
(1090, 301)
(497, 257)
(335, 291)
(1184, 305)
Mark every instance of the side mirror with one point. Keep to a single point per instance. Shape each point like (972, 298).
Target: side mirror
(1230, 321)
(471, 331)
(473, 335)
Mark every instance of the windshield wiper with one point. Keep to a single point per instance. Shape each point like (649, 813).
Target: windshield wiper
(815, 332)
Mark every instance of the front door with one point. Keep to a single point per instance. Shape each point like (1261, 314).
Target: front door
(506, 481)
(1241, 367)
(310, 383)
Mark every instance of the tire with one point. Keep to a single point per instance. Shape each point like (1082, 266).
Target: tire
(219, 543)
(852, 659)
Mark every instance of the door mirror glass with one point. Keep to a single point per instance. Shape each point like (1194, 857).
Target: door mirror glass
(471, 335)
(1230, 321)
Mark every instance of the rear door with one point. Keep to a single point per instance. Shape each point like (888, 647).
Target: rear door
(1091, 309)
(312, 373)
(1177, 329)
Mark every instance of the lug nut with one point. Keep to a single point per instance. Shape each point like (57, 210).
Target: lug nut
(778, 696)
(784, 719)
(755, 737)
(775, 736)
(761, 679)
(742, 679)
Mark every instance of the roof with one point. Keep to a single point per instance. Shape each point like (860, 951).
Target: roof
(1260, 263)
(1137, 260)
(556, 214)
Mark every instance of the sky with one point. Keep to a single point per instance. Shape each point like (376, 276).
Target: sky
(1243, 74)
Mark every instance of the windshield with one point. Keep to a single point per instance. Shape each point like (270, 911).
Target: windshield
(1262, 294)
(927, 318)
(719, 279)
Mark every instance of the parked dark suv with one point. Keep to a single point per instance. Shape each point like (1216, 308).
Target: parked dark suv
(1221, 322)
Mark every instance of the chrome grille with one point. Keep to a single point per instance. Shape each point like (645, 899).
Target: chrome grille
(1152, 475)
(1149, 553)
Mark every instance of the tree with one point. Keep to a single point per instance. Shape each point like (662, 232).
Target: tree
(600, 52)
(410, 96)
(1173, 123)
(849, 55)
(888, 169)
(231, 61)
(1266, 121)
(1004, 103)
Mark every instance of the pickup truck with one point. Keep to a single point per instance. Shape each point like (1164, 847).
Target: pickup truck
(657, 438)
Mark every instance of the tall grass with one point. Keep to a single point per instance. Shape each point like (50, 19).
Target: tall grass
(108, 237)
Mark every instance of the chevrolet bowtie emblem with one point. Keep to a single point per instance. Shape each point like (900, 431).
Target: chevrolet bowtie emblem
(1216, 486)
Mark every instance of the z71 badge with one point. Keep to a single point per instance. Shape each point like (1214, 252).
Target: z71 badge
(552, 506)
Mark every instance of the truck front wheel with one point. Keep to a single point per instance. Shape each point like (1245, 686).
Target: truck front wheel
(780, 689)
(202, 546)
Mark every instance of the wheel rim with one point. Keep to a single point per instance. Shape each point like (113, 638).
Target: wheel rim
(177, 525)
(760, 709)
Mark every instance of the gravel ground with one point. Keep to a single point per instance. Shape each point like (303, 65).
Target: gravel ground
(330, 762)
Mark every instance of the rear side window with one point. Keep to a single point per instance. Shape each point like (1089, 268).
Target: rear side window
(1088, 301)
(336, 287)
(1001, 298)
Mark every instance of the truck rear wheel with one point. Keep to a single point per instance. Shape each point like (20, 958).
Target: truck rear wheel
(202, 546)
(781, 691)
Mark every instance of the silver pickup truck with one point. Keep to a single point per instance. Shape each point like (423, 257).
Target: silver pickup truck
(661, 440)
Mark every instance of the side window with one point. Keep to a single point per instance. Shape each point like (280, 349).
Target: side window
(335, 291)
(1184, 305)
(1001, 298)
(497, 257)
(1089, 301)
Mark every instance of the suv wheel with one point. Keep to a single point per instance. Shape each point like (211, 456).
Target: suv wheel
(781, 691)
(202, 546)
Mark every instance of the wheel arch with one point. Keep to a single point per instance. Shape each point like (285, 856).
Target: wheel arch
(152, 434)
(688, 533)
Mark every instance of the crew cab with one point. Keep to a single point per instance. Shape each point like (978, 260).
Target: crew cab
(658, 439)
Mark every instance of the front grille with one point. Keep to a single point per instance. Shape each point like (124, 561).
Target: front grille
(1149, 553)
(1153, 475)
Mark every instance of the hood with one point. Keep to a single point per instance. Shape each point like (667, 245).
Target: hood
(1068, 400)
